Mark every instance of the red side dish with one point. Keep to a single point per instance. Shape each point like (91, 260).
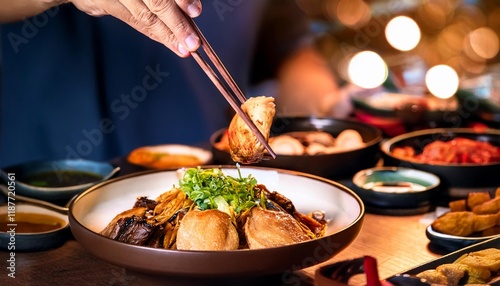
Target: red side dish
(458, 150)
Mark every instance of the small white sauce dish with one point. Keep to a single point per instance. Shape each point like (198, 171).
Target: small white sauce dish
(395, 187)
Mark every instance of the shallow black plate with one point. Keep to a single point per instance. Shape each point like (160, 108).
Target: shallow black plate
(453, 242)
(451, 257)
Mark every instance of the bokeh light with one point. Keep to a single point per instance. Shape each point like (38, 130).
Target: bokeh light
(442, 81)
(402, 33)
(484, 42)
(367, 70)
(353, 13)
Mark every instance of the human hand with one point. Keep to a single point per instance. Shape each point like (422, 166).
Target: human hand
(161, 20)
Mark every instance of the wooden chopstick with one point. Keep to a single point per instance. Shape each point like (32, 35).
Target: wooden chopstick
(218, 63)
(229, 81)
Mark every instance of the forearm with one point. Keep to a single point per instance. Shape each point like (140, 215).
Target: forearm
(16, 10)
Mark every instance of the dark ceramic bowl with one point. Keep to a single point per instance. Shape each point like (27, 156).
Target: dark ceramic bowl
(57, 180)
(395, 187)
(396, 113)
(458, 179)
(333, 166)
(92, 210)
(27, 238)
(479, 96)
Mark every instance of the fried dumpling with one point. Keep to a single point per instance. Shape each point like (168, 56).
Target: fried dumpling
(286, 145)
(265, 228)
(244, 146)
(207, 230)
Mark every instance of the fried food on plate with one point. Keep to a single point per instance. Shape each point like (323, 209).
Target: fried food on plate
(474, 268)
(477, 198)
(244, 146)
(478, 214)
(169, 156)
(463, 223)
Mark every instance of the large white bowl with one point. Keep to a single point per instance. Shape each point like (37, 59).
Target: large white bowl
(91, 211)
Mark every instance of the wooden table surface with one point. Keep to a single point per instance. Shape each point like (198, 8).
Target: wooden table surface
(397, 242)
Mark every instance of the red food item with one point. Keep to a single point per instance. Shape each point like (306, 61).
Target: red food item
(458, 150)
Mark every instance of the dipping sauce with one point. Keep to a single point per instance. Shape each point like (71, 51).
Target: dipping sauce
(62, 178)
(394, 187)
(31, 222)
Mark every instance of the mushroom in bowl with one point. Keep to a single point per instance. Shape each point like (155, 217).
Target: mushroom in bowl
(327, 147)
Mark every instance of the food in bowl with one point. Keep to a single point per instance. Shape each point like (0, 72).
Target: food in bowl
(298, 143)
(457, 179)
(92, 210)
(477, 215)
(458, 150)
(169, 156)
(209, 210)
(36, 227)
(243, 143)
(57, 180)
(32, 222)
(396, 188)
(331, 166)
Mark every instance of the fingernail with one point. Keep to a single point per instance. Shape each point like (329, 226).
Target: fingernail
(182, 50)
(192, 42)
(193, 10)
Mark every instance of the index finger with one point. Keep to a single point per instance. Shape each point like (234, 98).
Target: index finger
(171, 13)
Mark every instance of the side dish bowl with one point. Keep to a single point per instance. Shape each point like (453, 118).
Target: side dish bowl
(339, 165)
(33, 227)
(395, 187)
(457, 178)
(92, 210)
(57, 180)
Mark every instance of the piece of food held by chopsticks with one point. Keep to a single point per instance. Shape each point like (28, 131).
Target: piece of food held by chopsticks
(210, 210)
(244, 146)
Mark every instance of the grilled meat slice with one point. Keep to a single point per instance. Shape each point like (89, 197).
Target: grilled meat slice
(114, 224)
(134, 230)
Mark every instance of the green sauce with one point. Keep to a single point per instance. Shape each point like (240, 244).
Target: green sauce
(62, 178)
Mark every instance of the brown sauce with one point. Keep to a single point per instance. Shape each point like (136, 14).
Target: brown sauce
(30, 222)
(62, 178)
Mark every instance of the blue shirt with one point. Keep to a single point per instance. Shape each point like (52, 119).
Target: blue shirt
(76, 86)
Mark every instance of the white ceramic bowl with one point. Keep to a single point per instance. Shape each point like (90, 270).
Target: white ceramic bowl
(91, 211)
